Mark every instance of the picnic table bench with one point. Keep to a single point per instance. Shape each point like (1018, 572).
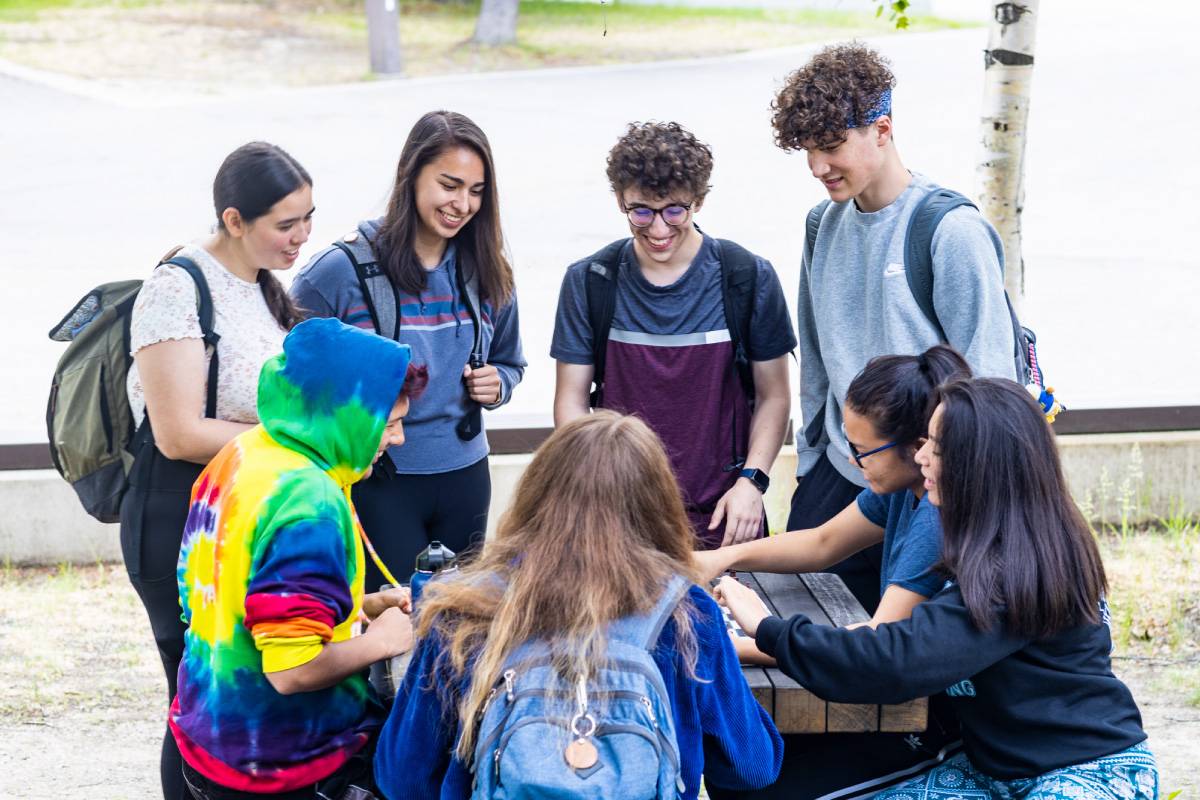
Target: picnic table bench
(823, 598)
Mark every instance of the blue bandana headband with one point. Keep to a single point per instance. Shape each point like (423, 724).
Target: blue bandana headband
(883, 106)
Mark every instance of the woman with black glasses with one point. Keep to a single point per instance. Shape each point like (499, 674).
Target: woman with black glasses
(886, 410)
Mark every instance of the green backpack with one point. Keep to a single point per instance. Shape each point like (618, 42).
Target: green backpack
(88, 419)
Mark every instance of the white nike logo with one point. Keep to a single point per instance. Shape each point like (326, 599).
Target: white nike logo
(893, 269)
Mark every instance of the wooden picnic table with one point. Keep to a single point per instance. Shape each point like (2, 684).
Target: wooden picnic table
(823, 598)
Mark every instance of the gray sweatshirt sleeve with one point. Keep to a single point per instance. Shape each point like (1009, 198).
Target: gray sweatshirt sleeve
(968, 293)
(814, 380)
(505, 352)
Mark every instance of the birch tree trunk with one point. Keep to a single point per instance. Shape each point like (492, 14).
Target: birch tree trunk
(1008, 73)
(497, 23)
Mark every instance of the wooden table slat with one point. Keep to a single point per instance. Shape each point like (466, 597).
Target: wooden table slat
(839, 605)
(760, 684)
(825, 600)
(797, 710)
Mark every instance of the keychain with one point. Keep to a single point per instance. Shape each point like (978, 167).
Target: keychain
(581, 753)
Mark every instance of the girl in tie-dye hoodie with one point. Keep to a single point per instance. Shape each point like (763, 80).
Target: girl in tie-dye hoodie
(271, 693)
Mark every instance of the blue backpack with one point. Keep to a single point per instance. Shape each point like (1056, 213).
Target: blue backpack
(610, 737)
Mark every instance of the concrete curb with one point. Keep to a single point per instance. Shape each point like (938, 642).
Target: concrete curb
(1116, 478)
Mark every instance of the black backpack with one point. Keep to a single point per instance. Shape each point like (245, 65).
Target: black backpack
(383, 304)
(739, 273)
(88, 419)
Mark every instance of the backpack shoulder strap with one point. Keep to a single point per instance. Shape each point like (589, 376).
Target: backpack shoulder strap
(381, 297)
(643, 630)
(812, 226)
(918, 247)
(739, 281)
(211, 337)
(467, 278)
(600, 283)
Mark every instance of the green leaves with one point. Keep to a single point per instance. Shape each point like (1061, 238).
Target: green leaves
(897, 11)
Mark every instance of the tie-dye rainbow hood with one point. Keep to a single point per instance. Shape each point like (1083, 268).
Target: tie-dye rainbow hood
(271, 567)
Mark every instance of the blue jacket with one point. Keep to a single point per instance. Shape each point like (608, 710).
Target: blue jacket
(723, 733)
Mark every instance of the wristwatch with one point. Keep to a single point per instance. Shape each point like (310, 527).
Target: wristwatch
(759, 478)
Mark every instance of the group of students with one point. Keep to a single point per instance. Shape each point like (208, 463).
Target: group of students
(342, 445)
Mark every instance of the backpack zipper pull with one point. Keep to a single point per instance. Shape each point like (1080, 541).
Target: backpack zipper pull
(510, 677)
(650, 709)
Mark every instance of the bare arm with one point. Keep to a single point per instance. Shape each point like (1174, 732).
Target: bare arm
(796, 551)
(773, 407)
(173, 377)
(896, 604)
(389, 635)
(572, 386)
(741, 507)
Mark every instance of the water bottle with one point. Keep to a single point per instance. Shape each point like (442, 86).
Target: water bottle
(386, 675)
(430, 561)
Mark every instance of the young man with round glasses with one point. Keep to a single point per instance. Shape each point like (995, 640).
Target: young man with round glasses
(688, 332)
(855, 302)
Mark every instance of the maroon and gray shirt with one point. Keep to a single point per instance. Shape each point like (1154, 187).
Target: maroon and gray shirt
(670, 362)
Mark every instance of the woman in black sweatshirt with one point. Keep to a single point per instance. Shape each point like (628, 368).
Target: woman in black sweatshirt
(1019, 638)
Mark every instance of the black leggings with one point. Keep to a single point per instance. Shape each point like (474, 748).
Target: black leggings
(831, 765)
(402, 514)
(153, 513)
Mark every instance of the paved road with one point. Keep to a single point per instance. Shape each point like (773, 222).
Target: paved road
(95, 188)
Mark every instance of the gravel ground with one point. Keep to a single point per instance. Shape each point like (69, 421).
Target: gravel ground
(82, 698)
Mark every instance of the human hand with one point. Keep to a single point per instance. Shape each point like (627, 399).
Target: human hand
(392, 630)
(743, 603)
(741, 508)
(376, 603)
(483, 384)
(711, 563)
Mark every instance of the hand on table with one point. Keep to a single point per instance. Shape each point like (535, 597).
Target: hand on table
(741, 508)
(744, 605)
(483, 384)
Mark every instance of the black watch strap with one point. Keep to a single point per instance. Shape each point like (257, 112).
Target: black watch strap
(760, 479)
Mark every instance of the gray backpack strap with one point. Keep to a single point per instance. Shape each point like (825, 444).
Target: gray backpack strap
(812, 226)
(381, 297)
(643, 630)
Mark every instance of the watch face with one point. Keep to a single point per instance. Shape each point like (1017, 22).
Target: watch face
(759, 478)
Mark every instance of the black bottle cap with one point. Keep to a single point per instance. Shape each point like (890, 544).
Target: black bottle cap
(434, 557)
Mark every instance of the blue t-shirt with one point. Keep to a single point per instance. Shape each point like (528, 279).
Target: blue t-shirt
(912, 540)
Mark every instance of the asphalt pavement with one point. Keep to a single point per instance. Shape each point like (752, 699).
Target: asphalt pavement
(99, 181)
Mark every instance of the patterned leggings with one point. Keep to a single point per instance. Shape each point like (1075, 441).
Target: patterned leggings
(1128, 775)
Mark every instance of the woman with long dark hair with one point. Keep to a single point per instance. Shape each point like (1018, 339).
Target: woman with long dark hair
(1019, 640)
(263, 203)
(596, 535)
(432, 274)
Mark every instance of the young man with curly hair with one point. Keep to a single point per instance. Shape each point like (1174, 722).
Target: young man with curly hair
(694, 338)
(855, 302)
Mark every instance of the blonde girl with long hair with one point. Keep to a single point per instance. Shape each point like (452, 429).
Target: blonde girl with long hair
(596, 532)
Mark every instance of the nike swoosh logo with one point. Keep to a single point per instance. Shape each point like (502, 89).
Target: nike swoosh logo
(893, 269)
